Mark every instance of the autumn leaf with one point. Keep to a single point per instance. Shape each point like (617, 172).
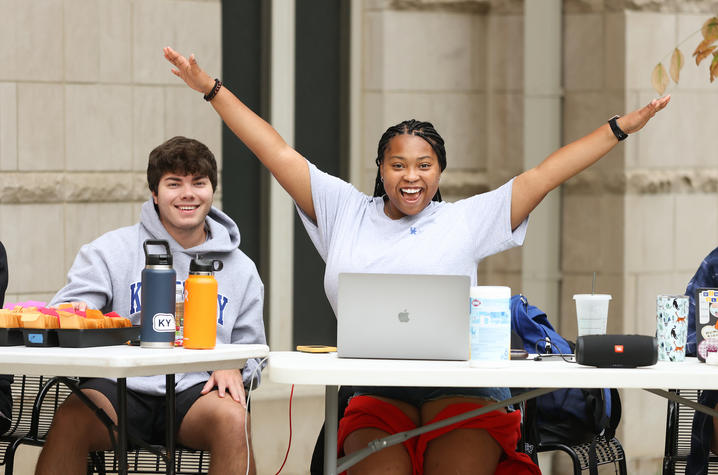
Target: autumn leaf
(710, 30)
(676, 64)
(659, 79)
(714, 67)
(703, 50)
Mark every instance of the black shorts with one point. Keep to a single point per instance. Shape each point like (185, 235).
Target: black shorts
(146, 414)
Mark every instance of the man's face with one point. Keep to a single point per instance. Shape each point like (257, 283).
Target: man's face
(183, 202)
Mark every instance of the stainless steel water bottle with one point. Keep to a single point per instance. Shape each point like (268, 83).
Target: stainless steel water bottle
(157, 314)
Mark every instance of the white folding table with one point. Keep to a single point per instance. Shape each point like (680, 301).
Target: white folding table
(330, 371)
(121, 362)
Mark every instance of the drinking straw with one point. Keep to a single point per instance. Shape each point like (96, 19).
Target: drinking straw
(593, 284)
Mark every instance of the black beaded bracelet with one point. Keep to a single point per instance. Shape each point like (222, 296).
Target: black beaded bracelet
(210, 95)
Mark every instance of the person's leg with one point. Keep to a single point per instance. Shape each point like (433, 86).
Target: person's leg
(217, 424)
(460, 451)
(75, 431)
(392, 460)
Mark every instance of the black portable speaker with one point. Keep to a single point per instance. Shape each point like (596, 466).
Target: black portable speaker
(616, 351)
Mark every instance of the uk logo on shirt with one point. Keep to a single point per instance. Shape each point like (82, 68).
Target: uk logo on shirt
(413, 231)
(136, 304)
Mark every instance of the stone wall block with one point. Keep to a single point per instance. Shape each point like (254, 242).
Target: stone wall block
(190, 27)
(642, 409)
(459, 184)
(148, 124)
(676, 180)
(649, 37)
(9, 39)
(504, 136)
(140, 188)
(99, 127)
(368, 180)
(501, 278)
(40, 118)
(680, 279)
(82, 40)
(31, 187)
(115, 20)
(38, 43)
(96, 219)
(648, 287)
(370, 5)
(649, 233)
(508, 261)
(198, 30)
(583, 52)
(507, 7)
(8, 126)
(152, 28)
(584, 6)
(696, 229)
(479, 74)
(505, 51)
(373, 46)
(34, 257)
(630, 303)
(457, 117)
(373, 125)
(457, 6)
(583, 113)
(614, 41)
(410, 62)
(592, 233)
(186, 113)
(104, 187)
(684, 129)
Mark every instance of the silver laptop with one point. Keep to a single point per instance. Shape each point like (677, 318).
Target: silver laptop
(403, 316)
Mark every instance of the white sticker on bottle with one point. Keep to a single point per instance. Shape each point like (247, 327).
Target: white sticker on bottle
(163, 322)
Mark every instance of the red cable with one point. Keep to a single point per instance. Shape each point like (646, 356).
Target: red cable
(291, 394)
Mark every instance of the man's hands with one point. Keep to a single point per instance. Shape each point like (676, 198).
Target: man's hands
(227, 380)
(189, 71)
(633, 122)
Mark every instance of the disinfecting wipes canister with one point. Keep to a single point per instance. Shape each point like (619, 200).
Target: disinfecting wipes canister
(490, 324)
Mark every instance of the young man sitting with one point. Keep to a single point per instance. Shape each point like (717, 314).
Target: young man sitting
(106, 275)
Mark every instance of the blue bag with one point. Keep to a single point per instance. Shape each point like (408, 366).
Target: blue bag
(567, 416)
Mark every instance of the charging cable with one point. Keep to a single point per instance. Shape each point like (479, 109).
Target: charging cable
(548, 345)
(246, 432)
(289, 445)
(249, 394)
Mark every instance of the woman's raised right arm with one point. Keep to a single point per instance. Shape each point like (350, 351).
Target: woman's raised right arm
(286, 164)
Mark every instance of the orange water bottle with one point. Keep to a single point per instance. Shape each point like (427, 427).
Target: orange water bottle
(200, 304)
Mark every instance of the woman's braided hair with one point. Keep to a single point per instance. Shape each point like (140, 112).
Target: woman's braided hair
(426, 131)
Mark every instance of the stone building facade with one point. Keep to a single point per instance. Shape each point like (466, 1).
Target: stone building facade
(85, 95)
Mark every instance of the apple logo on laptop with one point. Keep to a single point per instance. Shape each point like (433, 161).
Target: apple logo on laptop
(404, 316)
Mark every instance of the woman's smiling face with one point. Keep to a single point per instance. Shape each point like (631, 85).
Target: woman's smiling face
(410, 171)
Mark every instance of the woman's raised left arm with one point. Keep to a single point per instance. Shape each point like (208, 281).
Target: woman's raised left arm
(530, 187)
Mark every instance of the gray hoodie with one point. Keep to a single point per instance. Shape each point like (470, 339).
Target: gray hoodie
(106, 275)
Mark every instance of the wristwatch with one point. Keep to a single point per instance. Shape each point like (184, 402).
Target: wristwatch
(620, 134)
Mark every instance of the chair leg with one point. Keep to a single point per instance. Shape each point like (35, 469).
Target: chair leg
(10, 456)
(97, 464)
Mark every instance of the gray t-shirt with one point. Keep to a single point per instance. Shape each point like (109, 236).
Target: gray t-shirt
(353, 234)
